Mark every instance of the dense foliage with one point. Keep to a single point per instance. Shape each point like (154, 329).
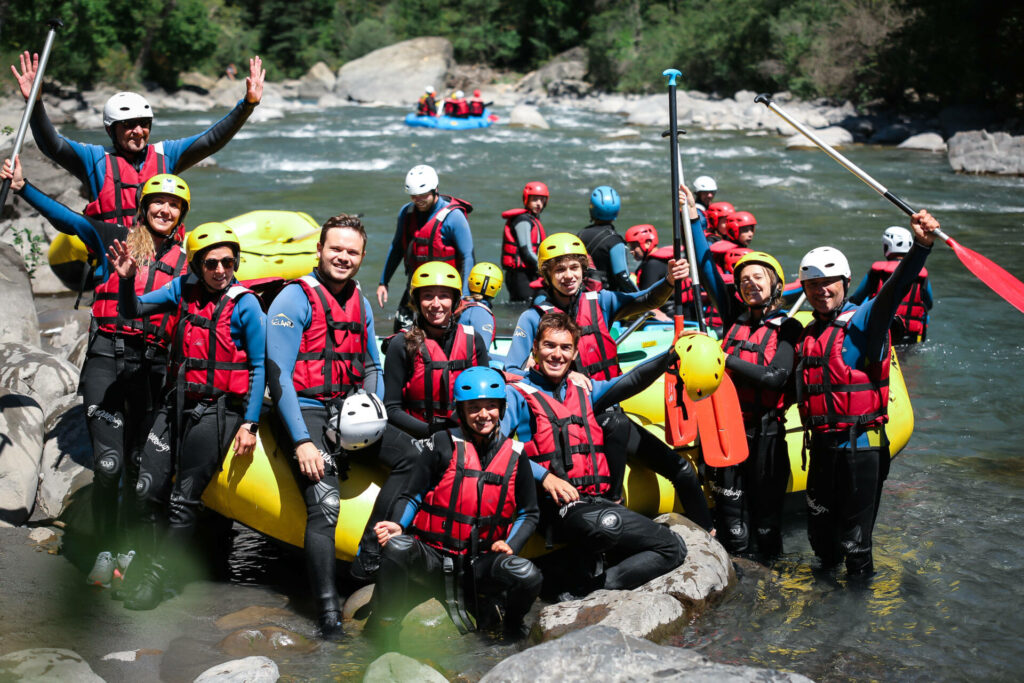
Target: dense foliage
(894, 50)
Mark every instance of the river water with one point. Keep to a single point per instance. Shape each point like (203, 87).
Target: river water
(947, 601)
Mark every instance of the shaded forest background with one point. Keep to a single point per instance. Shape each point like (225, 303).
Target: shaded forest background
(894, 52)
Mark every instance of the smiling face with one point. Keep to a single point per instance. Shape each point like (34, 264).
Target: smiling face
(131, 136)
(825, 294)
(482, 415)
(566, 275)
(424, 202)
(163, 212)
(436, 303)
(554, 351)
(218, 266)
(756, 283)
(340, 255)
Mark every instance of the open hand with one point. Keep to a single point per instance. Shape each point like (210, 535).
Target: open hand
(254, 81)
(25, 77)
(121, 259)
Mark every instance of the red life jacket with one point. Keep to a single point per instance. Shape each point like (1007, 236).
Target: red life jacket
(118, 198)
(756, 345)
(204, 352)
(912, 313)
(476, 107)
(510, 249)
(157, 328)
(429, 391)
(330, 359)
(598, 356)
(461, 108)
(472, 506)
(424, 244)
(427, 106)
(566, 437)
(833, 396)
(664, 254)
(449, 107)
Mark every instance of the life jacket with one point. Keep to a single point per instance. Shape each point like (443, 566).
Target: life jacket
(509, 247)
(449, 107)
(472, 506)
(476, 107)
(205, 357)
(566, 437)
(912, 314)
(756, 345)
(470, 302)
(330, 359)
(833, 396)
(598, 356)
(427, 106)
(663, 254)
(461, 108)
(424, 244)
(429, 391)
(599, 240)
(155, 329)
(118, 198)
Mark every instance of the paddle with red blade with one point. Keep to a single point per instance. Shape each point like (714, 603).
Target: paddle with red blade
(1001, 282)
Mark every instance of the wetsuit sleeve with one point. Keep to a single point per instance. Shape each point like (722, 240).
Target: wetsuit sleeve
(289, 316)
(620, 305)
(130, 305)
(609, 392)
(521, 230)
(70, 155)
(184, 153)
(373, 375)
(252, 328)
(394, 379)
(66, 221)
(619, 262)
(775, 374)
(527, 509)
(395, 250)
(710, 278)
(522, 340)
(862, 292)
(480, 320)
(455, 231)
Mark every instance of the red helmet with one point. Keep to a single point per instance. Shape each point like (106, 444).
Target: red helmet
(738, 220)
(641, 234)
(734, 255)
(716, 211)
(534, 188)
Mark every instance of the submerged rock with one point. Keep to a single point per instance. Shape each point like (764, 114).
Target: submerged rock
(397, 667)
(46, 664)
(266, 640)
(246, 670)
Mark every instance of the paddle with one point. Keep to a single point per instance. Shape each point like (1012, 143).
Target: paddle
(796, 305)
(37, 83)
(633, 327)
(999, 281)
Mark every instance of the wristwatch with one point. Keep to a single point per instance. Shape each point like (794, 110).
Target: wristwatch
(254, 427)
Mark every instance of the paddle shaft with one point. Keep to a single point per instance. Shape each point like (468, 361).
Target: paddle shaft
(633, 327)
(796, 305)
(677, 242)
(37, 83)
(694, 267)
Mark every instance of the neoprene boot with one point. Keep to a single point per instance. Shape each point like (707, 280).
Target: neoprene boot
(149, 592)
(330, 627)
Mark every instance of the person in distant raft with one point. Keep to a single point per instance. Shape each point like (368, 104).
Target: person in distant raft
(114, 175)
(123, 377)
(475, 311)
(217, 367)
(606, 247)
(427, 105)
(476, 104)
(431, 227)
(842, 388)
(521, 239)
(458, 538)
(910, 326)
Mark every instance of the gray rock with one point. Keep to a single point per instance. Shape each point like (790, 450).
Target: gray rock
(979, 151)
(601, 653)
(319, 80)
(66, 464)
(573, 88)
(397, 668)
(198, 80)
(622, 133)
(926, 142)
(61, 330)
(31, 370)
(640, 614)
(703, 577)
(833, 136)
(569, 66)
(246, 670)
(46, 664)
(892, 134)
(19, 323)
(397, 74)
(21, 448)
(527, 116)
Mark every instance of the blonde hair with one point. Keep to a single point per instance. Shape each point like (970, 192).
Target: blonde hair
(140, 243)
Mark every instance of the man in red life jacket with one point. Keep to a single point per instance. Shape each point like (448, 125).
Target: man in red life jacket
(476, 104)
(427, 106)
(459, 536)
(520, 240)
(642, 241)
(910, 326)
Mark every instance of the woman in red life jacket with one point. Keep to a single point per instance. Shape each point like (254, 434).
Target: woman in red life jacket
(422, 364)
(521, 239)
(217, 364)
(126, 360)
(477, 511)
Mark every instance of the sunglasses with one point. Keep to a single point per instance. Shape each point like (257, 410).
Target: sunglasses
(132, 123)
(227, 263)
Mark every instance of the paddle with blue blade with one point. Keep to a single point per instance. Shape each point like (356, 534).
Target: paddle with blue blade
(1001, 282)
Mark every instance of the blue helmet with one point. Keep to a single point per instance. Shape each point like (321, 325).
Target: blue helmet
(479, 382)
(604, 203)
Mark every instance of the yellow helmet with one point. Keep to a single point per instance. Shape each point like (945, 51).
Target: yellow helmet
(165, 183)
(210, 235)
(559, 244)
(485, 279)
(701, 364)
(436, 273)
(763, 259)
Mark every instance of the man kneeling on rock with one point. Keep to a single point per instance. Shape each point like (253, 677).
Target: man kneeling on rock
(555, 419)
(458, 539)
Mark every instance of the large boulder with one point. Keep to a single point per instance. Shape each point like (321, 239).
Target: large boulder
(703, 577)
(246, 670)
(602, 653)
(834, 136)
(979, 151)
(643, 615)
(925, 142)
(563, 75)
(47, 665)
(19, 323)
(395, 668)
(527, 116)
(63, 330)
(31, 370)
(21, 447)
(66, 464)
(318, 81)
(397, 74)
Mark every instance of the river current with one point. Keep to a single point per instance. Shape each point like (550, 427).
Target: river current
(948, 599)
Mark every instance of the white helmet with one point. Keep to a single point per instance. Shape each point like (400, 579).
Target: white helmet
(420, 179)
(359, 423)
(459, 94)
(429, 90)
(705, 183)
(125, 106)
(824, 262)
(896, 240)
